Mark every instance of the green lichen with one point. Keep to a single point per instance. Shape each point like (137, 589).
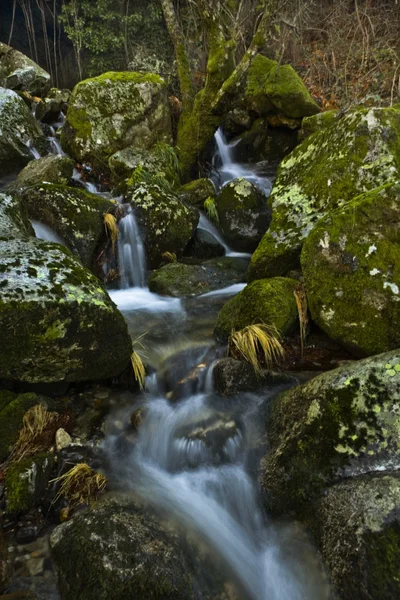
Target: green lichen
(26, 482)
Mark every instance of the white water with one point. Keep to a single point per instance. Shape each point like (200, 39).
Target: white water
(131, 253)
(229, 169)
(44, 232)
(206, 225)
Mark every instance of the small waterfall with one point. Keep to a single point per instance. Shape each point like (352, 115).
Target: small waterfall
(55, 145)
(228, 169)
(34, 151)
(46, 233)
(131, 253)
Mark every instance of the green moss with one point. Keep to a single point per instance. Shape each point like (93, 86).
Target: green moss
(12, 410)
(383, 559)
(196, 192)
(269, 301)
(316, 123)
(26, 482)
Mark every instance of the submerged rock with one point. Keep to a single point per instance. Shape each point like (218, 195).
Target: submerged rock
(49, 169)
(75, 215)
(17, 128)
(167, 223)
(117, 550)
(343, 423)
(352, 155)
(357, 527)
(183, 281)
(243, 214)
(18, 72)
(351, 266)
(269, 301)
(113, 111)
(57, 322)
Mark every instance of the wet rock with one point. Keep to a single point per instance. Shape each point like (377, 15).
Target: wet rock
(5, 567)
(357, 527)
(12, 410)
(183, 281)
(196, 192)
(243, 214)
(29, 527)
(343, 423)
(68, 328)
(26, 482)
(137, 417)
(126, 551)
(232, 377)
(17, 128)
(269, 301)
(204, 246)
(351, 268)
(55, 169)
(167, 223)
(18, 72)
(14, 221)
(352, 155)
(75, 215)
(113, 111)
(49, 108)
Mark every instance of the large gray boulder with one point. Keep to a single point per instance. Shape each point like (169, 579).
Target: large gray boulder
(53, 168)
(18, 72)
(14, 222)
(113, 111)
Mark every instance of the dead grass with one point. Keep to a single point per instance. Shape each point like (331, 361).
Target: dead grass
(301, 301)
(80, 485)
(169, 257)
(138, 364)
(258, 344)
(110, 223)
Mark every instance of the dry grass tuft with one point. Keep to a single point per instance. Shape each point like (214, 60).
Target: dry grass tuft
(258, 344)
(139, 368)
(110, 223)
(211, 210)
(169, 257)
(301, 301)
(80, 485)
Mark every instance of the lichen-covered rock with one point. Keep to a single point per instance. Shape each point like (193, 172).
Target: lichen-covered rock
(269, 301)
(18, 72)
(49, 108)
(356, 153)
(316, 123)
(116, 551)
(113, 111)
(183, 281)
(243, 214)
(357, 527)
(53, 168)
(14, 221)
(26, 483)
(271, 87)
(75, 215)
(159, 161)
(343, 423)
(57, 323)
(196, 192)
(351, 266)
(12, 410)
(167, 223)
(17, 128)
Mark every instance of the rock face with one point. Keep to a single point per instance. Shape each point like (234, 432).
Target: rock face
(12, 410)
(269, 301)
(75, 215)
(343, 423)
(14, 222)
(118, 551)
(57, 322)
(167, 223)
(113, 111)
(354, 154)
(184, 281)
(204, 246)
(50, 169)
(158, 162)
(243, 214)
(17, 128)
(196, 192)
(351, 266)
(18, 72)
(272, 88)
(357, 526)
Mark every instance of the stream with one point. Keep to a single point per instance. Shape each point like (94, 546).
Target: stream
(195, 455)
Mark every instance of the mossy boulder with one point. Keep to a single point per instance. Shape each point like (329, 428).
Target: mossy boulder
(183, 281)
(355, 154)
(48, 169)
(18, 72)
(113, 111)
(340, 424)
(269, 301)
(316, 123)
(57, 322)
(271, 87)
(117, 550)
(12, 410)
(357, 527)
(196, 192)
(26, 483)
(49, 108)
(351, 266)
(14, 221)
(17, 128)
(75, 215)
(159, 162)
(243, 214)
(167, 223)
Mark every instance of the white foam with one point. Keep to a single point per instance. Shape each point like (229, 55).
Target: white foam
(138, 298)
